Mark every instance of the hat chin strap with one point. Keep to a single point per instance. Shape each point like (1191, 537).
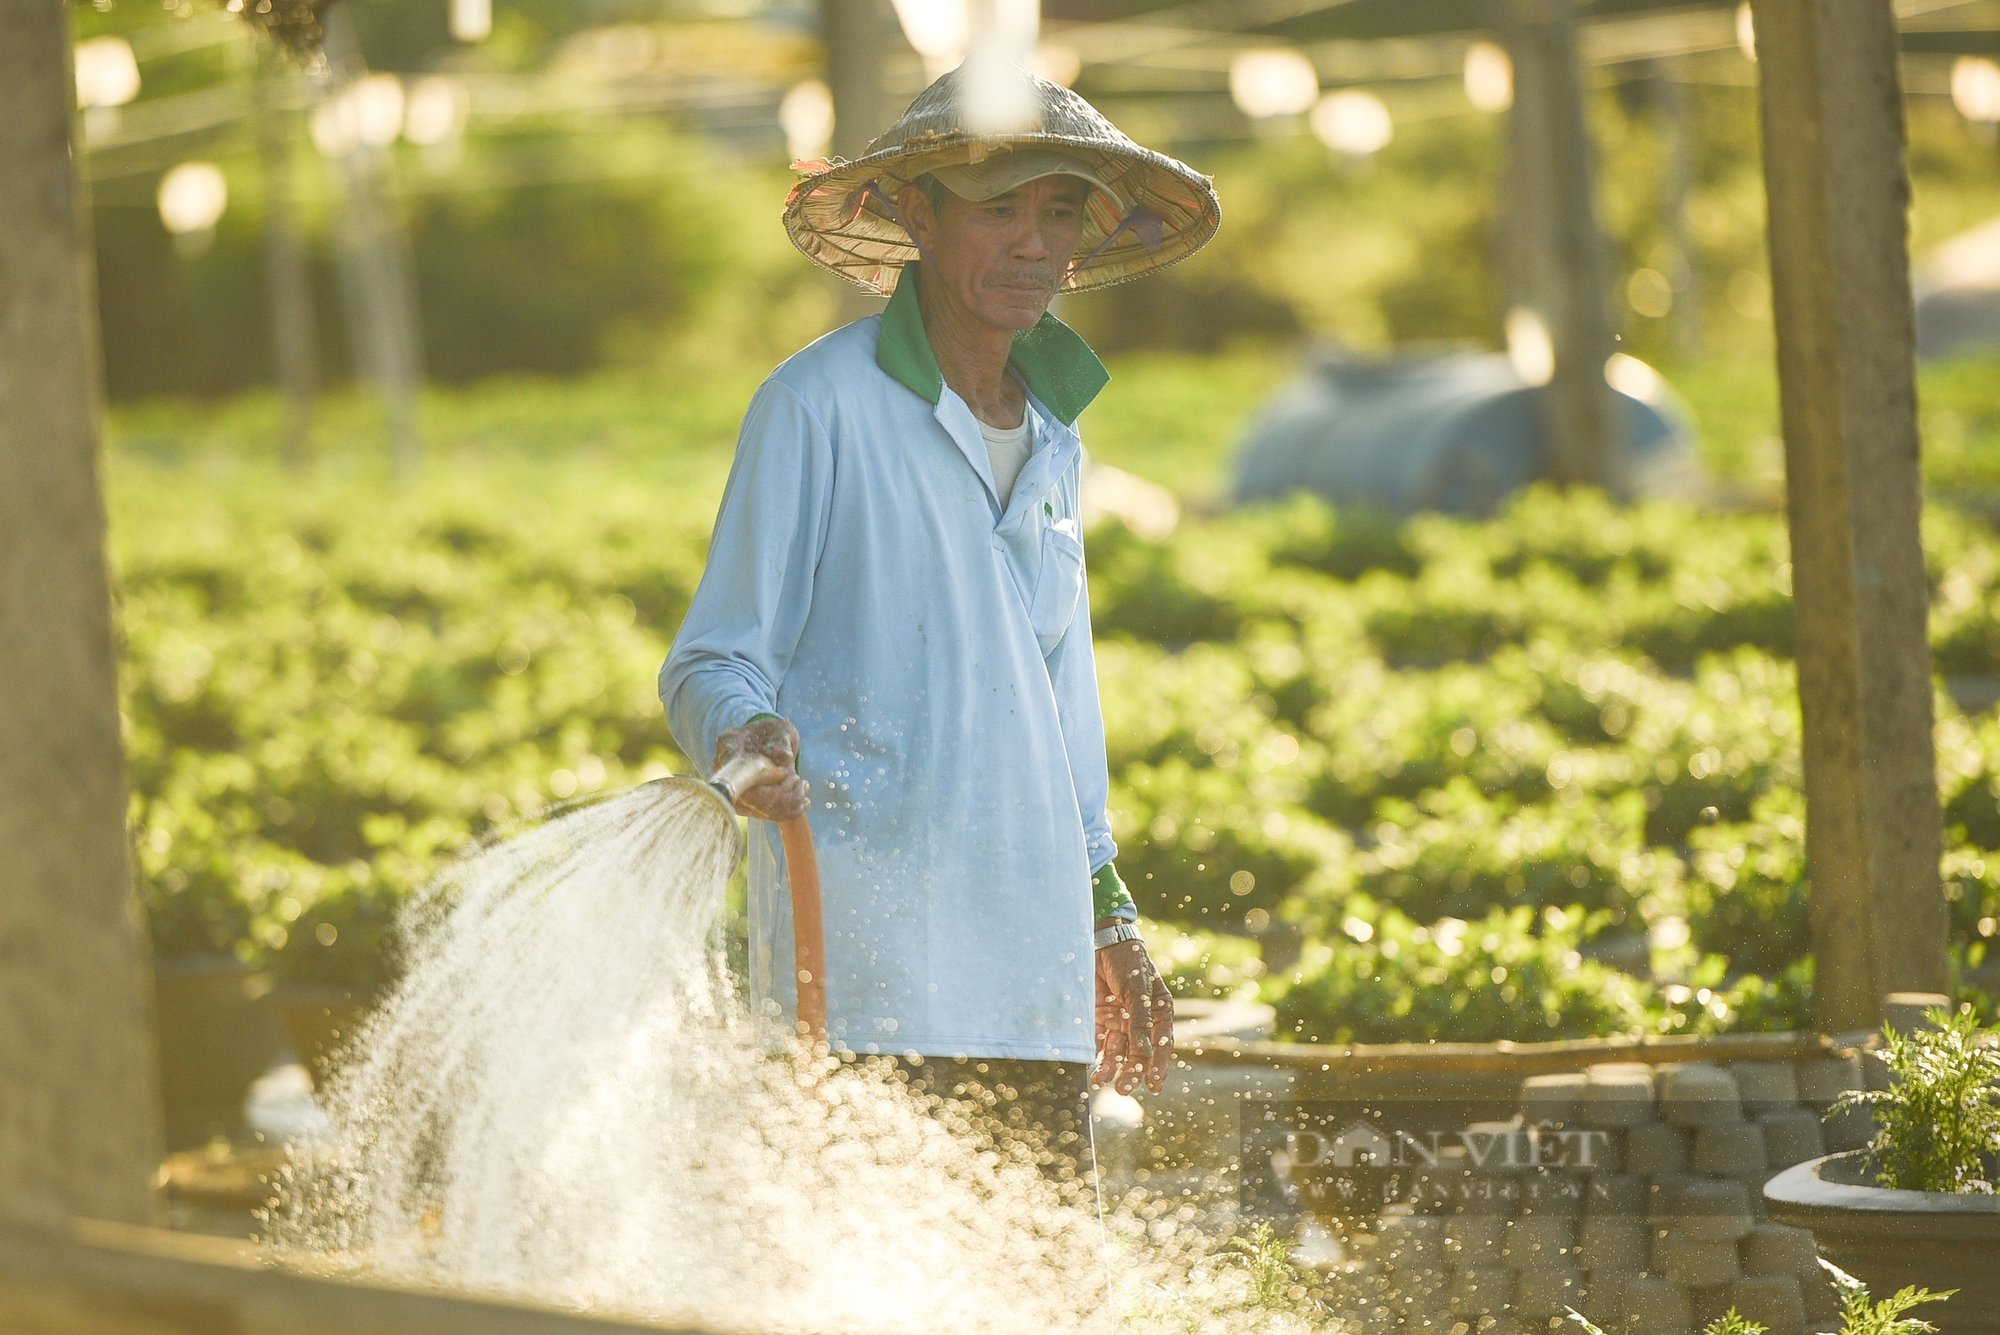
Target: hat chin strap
(1141, 222)
(871, 189)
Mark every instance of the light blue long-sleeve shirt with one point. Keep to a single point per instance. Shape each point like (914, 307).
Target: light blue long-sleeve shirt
(934, 651)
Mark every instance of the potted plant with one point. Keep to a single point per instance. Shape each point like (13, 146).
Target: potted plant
(1917, 1207)
(214, 1031)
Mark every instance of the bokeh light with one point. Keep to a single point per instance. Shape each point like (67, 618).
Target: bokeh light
(806, 113)
(1975, 88)
(1271, 82)
(1489, 77)
(1353, 121)
(192, 197)
(107, 74)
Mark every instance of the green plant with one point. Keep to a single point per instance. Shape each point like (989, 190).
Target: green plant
(1276, 1282)
(1375, 976)
(1862, 1315)
(1859, 1313)
(1937, 1125)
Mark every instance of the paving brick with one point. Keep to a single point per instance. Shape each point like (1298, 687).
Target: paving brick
(1552, 1191)
(1821, 1080)
(1791, 1136)
(1774, 1302)
(1594, 1150)
(1615, 1194)
(1618, 1094)
(1699, 1094)
(1766, 1086)
(1822, 1299)
(1659, 1150)
(1541, 1292)
(1780, 1249)
(1663, 1196)
(1502, 1323)
(1604, 1296)
(1552, 1098)
(1709, 1304)
(1416, 1294)
(1476, 1290)
(1540, 1240)
(1695, 1263)
(1487, 1195)
(1410, 1240)
(1654, 1305)
(1606, 1242)
(1707, 1210)
(1435, 1189)
(1729, 1149)
(1475, 1240)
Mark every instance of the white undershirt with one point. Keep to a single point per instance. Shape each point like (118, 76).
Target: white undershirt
(1007, 449)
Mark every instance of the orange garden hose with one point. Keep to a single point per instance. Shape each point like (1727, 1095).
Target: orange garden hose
(808, 922)
(808, 929)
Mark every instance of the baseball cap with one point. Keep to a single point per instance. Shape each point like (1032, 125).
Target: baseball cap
(1002, 172)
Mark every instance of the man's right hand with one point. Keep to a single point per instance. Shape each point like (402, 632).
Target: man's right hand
(780, 799)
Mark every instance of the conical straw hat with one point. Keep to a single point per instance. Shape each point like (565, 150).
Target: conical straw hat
(1165, 210)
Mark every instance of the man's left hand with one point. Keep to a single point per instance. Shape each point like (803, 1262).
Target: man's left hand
(1135, 1020)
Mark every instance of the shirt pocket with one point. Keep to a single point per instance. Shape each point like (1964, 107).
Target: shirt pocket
(1056, 588)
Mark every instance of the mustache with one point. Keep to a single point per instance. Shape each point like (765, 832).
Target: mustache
(1046, 277)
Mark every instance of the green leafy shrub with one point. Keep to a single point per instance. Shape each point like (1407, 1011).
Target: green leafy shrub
(1306, 532)
(1511, 974)
(1862, 1315)
(1937, 1126)
(1158, 592)
(1455, 854)
(1747, 892)
(1206, 846)
(1311, 715)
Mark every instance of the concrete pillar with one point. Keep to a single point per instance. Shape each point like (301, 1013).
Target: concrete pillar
(1556, 246)
(1839, 194)
(78, 1120)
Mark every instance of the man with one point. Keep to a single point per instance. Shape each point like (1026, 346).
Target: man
(894, 612)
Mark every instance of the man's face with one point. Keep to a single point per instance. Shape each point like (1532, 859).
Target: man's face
(1000, 260)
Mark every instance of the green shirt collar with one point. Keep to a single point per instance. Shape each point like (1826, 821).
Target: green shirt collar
(1054, 362)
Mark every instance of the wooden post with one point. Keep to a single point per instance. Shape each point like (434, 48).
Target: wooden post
(1556, 247)
(78, 1123)
(1838, 194)
(857, 35)
(1684, 319)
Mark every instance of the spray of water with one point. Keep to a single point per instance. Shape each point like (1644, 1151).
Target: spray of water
(565, 1100)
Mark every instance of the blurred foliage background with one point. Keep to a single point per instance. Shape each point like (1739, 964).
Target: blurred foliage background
(1529, 777)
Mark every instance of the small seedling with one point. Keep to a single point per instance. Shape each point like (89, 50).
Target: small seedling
(1937, 1123)
(1731, 1322)
(1862, 1315)
(1277, 1284)
(1859, 1314)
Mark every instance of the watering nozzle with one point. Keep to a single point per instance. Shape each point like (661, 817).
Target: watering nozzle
(742, 773)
